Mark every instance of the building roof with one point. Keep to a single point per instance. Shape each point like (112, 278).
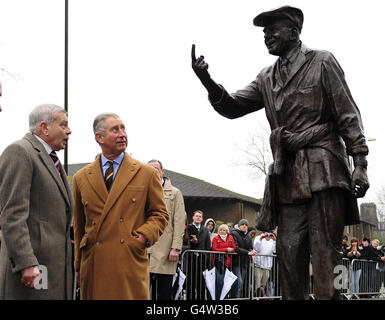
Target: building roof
(73, 168)
(193, 187)
(190, 187)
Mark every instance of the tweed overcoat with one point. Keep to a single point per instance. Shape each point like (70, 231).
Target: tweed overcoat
(172, 238)
(36, 211)
(112, 263)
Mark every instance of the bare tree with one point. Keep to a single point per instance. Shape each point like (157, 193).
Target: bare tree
(5, 71)
(381, 204)
(256, 152)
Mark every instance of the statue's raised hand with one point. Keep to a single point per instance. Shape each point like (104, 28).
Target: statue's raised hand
(199, 66)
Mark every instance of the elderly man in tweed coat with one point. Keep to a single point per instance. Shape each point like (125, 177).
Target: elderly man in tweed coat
(36, 211)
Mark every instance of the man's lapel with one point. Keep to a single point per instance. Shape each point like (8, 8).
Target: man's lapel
(128, 169)
(48, 163)
(299, 61)
(96, 180)
(68, 189)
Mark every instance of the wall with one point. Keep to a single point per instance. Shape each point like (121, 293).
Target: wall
(224, 210)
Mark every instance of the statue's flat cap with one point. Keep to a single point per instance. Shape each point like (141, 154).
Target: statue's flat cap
(295, 15)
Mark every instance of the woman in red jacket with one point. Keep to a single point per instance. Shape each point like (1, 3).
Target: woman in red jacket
(223, 242)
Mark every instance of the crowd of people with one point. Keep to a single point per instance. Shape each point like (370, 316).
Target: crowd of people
(256, 252)
(368, 264)
(242, 246)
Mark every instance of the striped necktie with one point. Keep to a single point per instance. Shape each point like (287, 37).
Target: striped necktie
(109, 174)
(55, 160)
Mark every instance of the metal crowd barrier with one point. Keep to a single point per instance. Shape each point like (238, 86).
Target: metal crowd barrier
(366, 279)
(354, 284)
(342, 280)
(359, 278)
(197, 287)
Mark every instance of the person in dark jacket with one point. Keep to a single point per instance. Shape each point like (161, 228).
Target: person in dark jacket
(374, 274)
(344, 245)
(365, 248)
(199, 239)
(244, 248)
(365, 257)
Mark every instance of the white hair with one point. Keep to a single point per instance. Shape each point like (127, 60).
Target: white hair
(99, 125)
(225, 227)
(43, 112)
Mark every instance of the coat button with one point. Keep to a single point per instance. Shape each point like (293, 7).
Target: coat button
(133, 200)
(121, 219)
(97, 242)
(121, 240)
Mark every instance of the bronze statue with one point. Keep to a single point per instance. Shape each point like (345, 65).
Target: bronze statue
(310, 193)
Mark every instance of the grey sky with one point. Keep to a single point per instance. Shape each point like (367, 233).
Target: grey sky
(133, 58)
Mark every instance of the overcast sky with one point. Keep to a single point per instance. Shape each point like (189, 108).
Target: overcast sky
(133, 58)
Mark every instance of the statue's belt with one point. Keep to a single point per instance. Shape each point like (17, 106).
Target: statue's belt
(284, 142)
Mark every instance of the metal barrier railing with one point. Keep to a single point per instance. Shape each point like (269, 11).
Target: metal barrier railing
(343, 281)
(259, 278)
(265, 282)
(203, 268)
(195, 262)
(366, 279)
(360, 278)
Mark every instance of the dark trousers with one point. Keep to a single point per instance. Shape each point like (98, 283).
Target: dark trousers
(316, 228)
(161, 286)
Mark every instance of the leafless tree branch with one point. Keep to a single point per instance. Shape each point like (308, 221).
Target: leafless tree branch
(256, 152)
